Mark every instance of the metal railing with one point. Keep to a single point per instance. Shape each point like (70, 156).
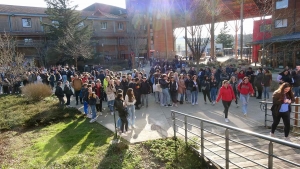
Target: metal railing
(265, 106)
(227, 140)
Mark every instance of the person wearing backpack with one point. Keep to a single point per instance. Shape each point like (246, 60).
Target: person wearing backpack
(59, 93)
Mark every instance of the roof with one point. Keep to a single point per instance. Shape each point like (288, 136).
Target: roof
(13, 9)
(284, 38)
(106, 8)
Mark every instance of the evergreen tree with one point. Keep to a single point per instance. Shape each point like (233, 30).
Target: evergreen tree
(225, 38)
(69, 37)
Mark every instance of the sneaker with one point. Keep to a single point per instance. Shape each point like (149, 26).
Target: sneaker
(112, 113)
(123, 134)
(133, 126)
(89, 116)
(93, 120)
(128, 131)
(169, 105)
(193, 104)
(287, 139)
(175, 105)
(162, 105)
(226, 120)
(245, 114)
(100, 113)
(237, 105)
(205, 103)
(272, 135)
(196, 103)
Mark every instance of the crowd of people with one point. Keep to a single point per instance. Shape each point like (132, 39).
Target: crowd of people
(169, 82)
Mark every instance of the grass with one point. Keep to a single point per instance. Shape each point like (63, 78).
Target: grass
(73, 142)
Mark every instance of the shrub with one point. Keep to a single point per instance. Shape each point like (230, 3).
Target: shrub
(37, 91)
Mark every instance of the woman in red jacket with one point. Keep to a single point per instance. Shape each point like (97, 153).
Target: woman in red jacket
(245, 88)
(227, 95)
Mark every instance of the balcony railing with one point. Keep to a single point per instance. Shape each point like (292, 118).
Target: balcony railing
(29, 43)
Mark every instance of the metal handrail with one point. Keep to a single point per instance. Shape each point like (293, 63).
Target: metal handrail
(227, 139)
(264, 108)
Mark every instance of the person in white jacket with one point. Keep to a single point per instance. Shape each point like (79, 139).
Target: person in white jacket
(129, 102)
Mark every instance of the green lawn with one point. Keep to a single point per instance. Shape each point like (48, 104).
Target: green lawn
(70, 141)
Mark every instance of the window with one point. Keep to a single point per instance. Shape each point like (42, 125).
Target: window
(28, 41)
(280, 4)
(26, 22)
(280, 23)
(265, 28)
(120, 26)
(103, 25)
(151, 27)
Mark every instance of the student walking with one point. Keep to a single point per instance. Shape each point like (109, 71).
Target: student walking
(282, 99)
(92, 99)
(245, 88)
(227, 95)
(234, 84)
(120, 107)
(68, 91)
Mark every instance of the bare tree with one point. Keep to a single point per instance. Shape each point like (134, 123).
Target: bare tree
(197, 43)
(11, 61)
(136, 35)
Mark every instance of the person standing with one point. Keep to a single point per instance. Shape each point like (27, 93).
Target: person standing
(206, 89)
(99, 91)
(195, 90)
(92, 99)
(173, 91)
(245, 88)
(181, 88)
(120, 107)
(110, 92)
(189, 87)
(258, 83)
(281, 108)
(145, 91)
(266, 83)
(77, 85)
(164, 83)
(227, 95)
(59, 93)
(129, 102)
(213, 89)
(68, 91)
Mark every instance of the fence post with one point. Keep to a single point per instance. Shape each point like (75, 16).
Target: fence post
(227, 149)
(296, 112)
(185, 130)
(174, 128)
(270, 160)
(266, 113)
(202, 139)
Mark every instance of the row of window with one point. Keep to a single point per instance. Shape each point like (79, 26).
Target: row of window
(26, 22)
(279, 23)
(280, 4)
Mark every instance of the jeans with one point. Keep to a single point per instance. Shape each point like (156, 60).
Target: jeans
(181, 97)
(157, 96)
(188, 95)
(226, 105)
(244, 100)
(111, 105)
(296, 91)
(166, 96)
(213, 94)
(144, 97)
(77, 95)
(266, 91)
(194, 96)
(85, 107)
(131, 112)
(286, 121)
(93, 108)
(119, 123)
(64, 77)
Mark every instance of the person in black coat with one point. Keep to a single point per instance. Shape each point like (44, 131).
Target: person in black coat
(60, 94)
(145, 90)
(119, 105)
(124, 83)
(68, 91)
(173, 91)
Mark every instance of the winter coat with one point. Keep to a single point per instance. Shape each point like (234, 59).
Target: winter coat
(226, 94)
(59, 92)
(181, 86)
(77, 84)
(145, 88)
(245, 88)
(110, 92)
(67, 90)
